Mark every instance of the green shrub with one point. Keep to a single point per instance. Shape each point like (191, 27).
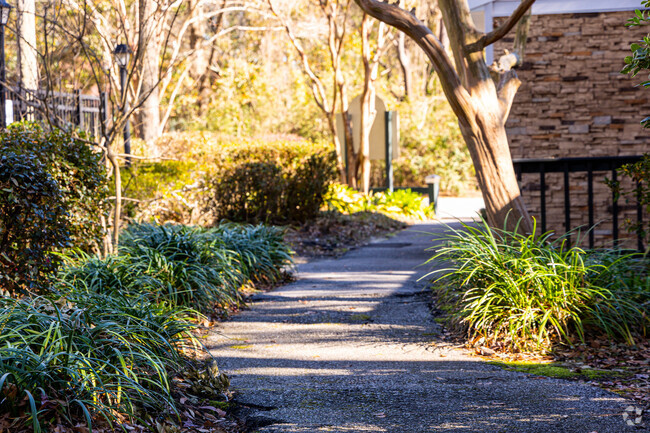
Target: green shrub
(399, 203)
(269, 182)
(270, 179)
(89, 355)
(526, 291)
(160, 190)
(32, 223)
(640, 174)
(184, 266)
(52, 191)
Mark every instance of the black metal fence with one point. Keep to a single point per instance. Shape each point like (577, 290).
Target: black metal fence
(607, 164)
(63, 110)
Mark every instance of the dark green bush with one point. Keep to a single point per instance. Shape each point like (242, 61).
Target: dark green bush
(32, 222)
(269, 182)
(52, 191)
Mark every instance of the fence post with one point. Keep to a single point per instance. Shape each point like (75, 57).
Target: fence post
(79, 118)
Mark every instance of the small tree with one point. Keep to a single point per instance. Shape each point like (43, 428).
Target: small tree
(481, 105)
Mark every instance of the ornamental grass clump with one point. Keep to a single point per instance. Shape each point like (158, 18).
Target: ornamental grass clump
(89, 355)
(524, 292)
(204, 269)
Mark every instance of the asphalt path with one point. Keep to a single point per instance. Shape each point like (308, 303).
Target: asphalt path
(352, 346)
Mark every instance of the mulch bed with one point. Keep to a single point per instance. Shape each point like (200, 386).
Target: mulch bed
(332, 234)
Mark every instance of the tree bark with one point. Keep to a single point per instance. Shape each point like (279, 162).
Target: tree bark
(27, 54)
(368, 111)
(149, 45)
(480, 106)
(405, 64)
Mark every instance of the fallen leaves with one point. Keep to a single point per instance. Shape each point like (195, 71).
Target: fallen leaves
(629, 365)
(333, 233)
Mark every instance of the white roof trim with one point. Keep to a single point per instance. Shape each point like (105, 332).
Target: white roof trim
(502, 8)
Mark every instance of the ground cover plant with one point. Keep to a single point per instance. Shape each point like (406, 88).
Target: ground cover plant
(89, 357)
(204, 269)
(114, 342)
(527, 292)
(398, 203)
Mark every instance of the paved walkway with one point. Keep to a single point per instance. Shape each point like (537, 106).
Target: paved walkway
(349, 348)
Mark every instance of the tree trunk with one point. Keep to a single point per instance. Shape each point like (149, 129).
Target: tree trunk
(149, 50)
(368, 111)
(488, 145)
(482, 108)
(27, 54)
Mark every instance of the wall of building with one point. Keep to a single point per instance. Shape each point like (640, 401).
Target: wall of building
(574, 102)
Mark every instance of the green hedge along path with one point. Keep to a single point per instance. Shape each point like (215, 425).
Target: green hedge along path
(351, 347)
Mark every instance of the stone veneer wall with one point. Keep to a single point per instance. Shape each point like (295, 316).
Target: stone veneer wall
(575, 102)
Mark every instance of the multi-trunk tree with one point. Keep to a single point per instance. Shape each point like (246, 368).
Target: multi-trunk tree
(480, 103)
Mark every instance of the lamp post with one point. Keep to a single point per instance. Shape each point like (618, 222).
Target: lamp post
(5, 9)
(122, 54)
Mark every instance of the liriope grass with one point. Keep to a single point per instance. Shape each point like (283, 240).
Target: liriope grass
(528, 291)
(204, 269)
(89, 354)
(115, 331)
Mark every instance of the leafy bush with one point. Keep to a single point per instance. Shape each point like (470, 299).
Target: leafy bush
(281, 182)
(269, 179)
(87, 355)
(526, 291)
(640, 174)
(403, 202)
(163, 190)
(52, 190)
(193, 267)
(639, 60)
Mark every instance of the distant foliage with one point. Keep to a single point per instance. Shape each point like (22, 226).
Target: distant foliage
(52, 191)
(276, 179)
(276, 182)
(431, 143)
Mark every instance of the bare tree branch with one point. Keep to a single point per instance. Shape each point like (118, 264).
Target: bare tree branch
(502, 30)
(414, 28)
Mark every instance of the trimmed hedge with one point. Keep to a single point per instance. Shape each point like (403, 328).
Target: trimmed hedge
(275, 182)
(275, 179)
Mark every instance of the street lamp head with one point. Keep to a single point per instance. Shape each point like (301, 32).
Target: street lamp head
(122, 53)
(5, 8)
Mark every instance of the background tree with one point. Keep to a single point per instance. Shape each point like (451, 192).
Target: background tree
(27, 54)
(337, 17)
(481, 105)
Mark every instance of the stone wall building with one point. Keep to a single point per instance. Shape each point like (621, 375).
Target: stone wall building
(573, 101)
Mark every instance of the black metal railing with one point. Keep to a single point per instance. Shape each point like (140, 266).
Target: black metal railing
(86, 112)
(609, 164)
